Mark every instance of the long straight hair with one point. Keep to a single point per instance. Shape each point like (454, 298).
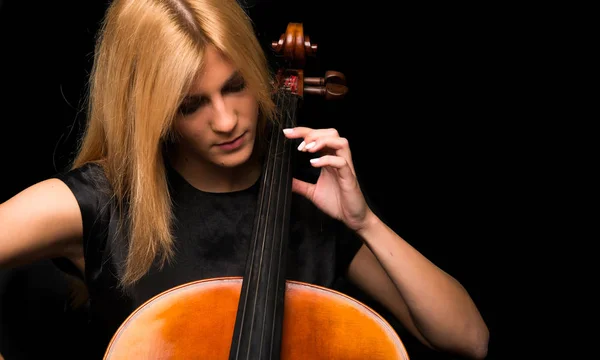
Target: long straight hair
(147, 54)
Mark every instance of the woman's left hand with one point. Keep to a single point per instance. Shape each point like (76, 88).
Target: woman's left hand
(336, 192)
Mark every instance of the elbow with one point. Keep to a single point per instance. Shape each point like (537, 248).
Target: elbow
(472, 345)
(480, 352)
(479, 345)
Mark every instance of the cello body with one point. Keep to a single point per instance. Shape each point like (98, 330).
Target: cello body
(196, 321)
(262, 315)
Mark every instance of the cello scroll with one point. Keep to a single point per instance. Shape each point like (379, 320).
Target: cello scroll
(296, 47)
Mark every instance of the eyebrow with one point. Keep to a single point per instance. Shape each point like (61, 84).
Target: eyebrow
(235, 77)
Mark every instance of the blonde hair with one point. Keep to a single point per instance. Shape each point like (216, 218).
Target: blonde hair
(147, 54)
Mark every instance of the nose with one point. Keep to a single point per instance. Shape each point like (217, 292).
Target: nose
(224, 117)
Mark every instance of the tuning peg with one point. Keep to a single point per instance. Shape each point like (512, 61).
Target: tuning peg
(332, 86)
(330, 91)
(333, 77)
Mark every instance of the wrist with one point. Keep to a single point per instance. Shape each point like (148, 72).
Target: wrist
(370, 222)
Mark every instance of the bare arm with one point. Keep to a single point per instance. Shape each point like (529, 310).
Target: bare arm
(431, 304)
(41, 222)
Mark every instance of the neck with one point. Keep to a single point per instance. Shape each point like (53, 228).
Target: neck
(209, 177)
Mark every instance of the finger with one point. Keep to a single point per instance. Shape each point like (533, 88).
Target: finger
(319, 133)
(330, 145)
(303, 188)
(308, 134)
(297, 132)
(331, 142)
(336, 162)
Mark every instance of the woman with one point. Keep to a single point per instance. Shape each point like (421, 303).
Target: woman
(164, 185)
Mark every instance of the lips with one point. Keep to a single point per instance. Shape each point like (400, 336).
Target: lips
(231, 141)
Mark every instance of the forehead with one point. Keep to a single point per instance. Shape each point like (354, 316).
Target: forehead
(216, 71)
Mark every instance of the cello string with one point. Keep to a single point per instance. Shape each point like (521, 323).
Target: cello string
(286, 181)
(260, 225)
(274, 151)
(274, 157)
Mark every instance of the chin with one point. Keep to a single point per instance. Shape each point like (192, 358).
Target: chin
(234, 159)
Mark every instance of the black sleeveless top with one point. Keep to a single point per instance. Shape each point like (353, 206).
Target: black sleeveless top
(212, 233)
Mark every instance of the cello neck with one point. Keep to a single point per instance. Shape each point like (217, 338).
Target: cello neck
(259, 321)
(258, 328)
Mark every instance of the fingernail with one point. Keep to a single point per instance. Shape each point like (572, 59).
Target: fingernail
(310, 145)
(287, 131)
(301, 146)
(314, 160)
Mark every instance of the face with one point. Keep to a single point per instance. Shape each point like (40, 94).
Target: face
(218, 119)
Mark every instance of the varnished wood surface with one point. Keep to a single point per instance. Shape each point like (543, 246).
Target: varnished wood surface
(195, 321)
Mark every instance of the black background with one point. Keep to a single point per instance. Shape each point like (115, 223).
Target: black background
(430, 117)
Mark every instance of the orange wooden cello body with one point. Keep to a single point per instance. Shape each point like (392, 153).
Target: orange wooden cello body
(262, 315)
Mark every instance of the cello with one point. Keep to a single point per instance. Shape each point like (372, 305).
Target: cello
(262, 315)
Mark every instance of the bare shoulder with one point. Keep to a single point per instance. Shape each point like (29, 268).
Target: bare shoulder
(42, 221)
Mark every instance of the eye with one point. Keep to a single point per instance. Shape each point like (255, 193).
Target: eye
(236, 85)
(192, 104)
